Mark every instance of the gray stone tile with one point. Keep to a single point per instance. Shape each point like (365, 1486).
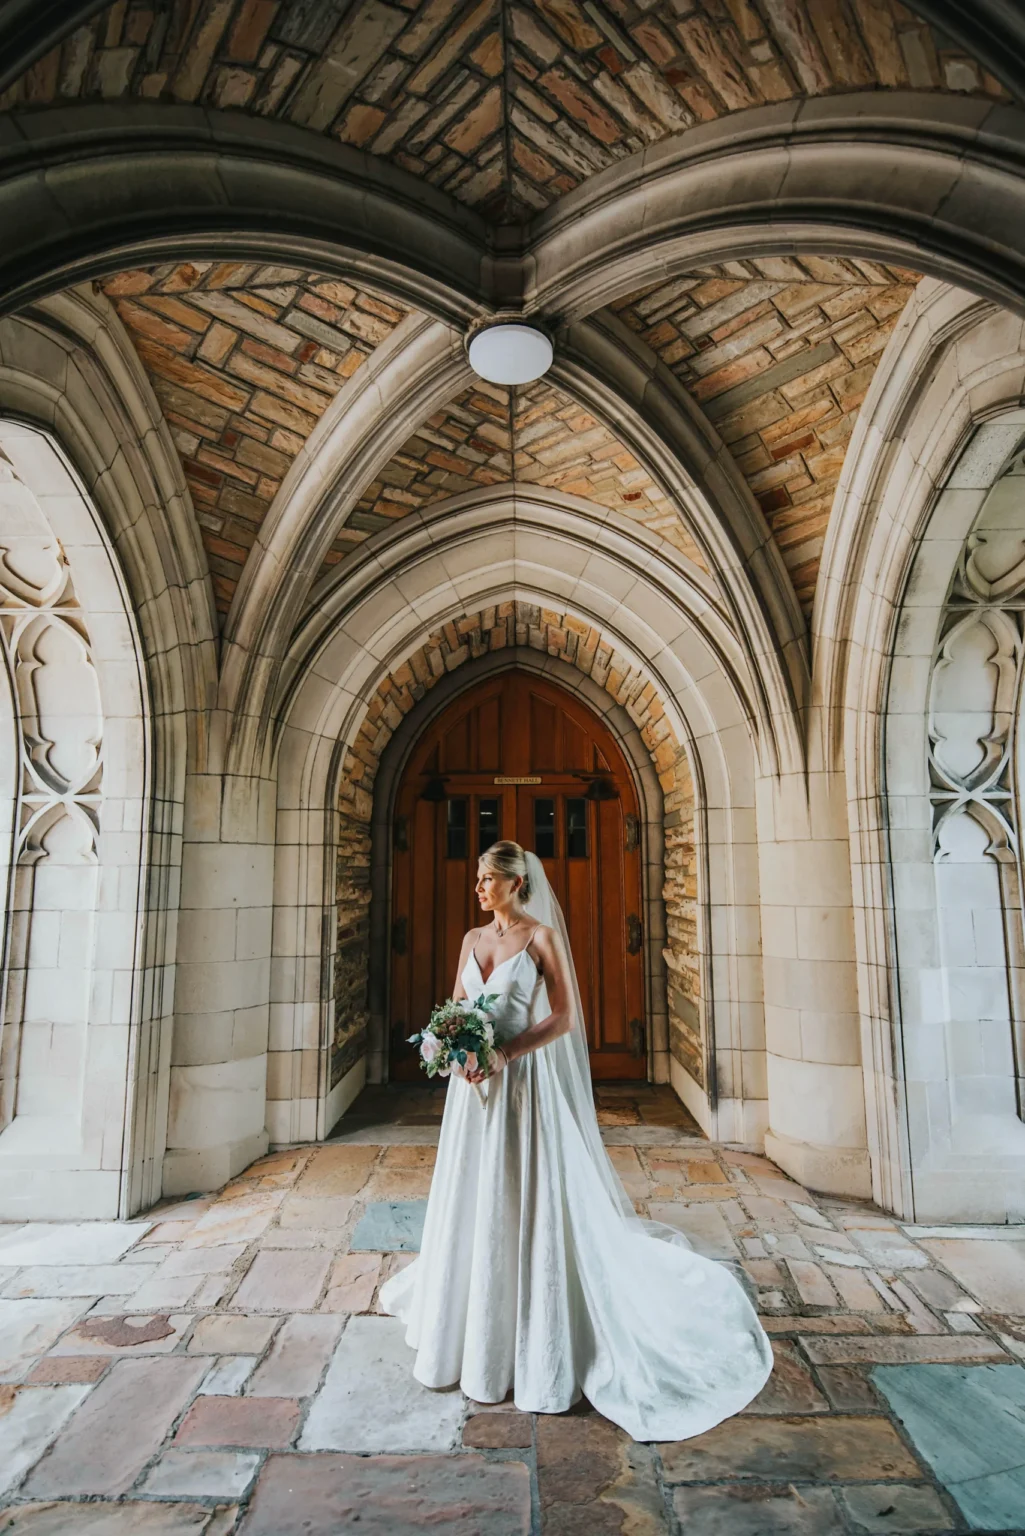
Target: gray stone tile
(203, 1474)
(984, 1471)
(58, 1281)
(389, 1226)
(228, 1375)
(69, 1242)
(31, 1424)
(370, 1400)
(757, 1512)
(911, 1510)
(29, 1328)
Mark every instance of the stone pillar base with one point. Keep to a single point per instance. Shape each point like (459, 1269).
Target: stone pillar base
(190, 1171)
(829, 1170)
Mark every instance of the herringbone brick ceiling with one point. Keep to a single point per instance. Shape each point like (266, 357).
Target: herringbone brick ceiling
(504, 104)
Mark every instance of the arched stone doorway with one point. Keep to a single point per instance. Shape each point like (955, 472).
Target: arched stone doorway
(520, 757)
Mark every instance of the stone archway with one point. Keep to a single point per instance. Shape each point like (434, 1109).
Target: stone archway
(578, 647)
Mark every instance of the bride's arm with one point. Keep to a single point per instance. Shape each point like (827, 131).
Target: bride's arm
(547, 946)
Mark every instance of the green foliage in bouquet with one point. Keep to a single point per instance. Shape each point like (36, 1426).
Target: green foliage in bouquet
(457, 1033)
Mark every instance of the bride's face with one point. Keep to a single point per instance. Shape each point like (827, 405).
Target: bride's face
(495, 890)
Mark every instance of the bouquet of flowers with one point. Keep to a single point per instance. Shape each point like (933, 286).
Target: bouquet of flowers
(458, 1033)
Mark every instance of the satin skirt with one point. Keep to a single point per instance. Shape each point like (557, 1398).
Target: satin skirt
(530, 1278)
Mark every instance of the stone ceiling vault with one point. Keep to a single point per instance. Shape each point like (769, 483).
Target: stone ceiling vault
(779, 354)
(503, 104)
(245, 358)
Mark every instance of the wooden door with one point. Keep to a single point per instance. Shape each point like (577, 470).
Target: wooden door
(519, 757)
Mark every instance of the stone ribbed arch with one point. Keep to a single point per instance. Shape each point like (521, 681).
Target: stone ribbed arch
(457, 644)
(635, 403)
(68, 370)
(920, 179)
(437, 89)
(951, 377)
(458, 559)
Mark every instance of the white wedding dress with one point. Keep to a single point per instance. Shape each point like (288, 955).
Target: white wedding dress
(536, 1274)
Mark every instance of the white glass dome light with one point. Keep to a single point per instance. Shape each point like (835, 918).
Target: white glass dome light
(510, 352)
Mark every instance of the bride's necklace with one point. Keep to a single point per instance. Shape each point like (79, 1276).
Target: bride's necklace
(500, 933)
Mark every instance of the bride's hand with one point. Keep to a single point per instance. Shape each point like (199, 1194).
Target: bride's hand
(499, 1062)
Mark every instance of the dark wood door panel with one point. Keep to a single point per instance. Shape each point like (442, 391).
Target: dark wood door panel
(577, 811)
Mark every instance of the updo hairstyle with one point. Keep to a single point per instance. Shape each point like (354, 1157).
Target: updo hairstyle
(508, 859)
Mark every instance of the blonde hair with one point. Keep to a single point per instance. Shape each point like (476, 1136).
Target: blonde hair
(508, 858)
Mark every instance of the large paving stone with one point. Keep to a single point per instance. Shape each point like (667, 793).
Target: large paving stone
(790, 1388)
(296, 1361)
(983, 1470)
(202, 1474)
(337, 1170)
(799, 1449)
(461, 1495)
(592, 1478)
(283, 1280)
(268, 1423)
(316, 1212)
(354, 1279)
(58, 1280)
(137, 1519)
(705, 1226)
(235, 1221)
(30, 1424)
(371, 1402)
(388, 1226)
(68, 1242)
(231, 1334)
(901, 1349)
(118, 1428)
(750, 1511)
(29, 1327)
(498, 1431)
(892, 1507)
(994, 1272)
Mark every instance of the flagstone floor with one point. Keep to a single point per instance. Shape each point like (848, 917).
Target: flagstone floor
(220, 1368)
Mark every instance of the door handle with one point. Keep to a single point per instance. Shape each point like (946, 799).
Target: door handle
(633, 934)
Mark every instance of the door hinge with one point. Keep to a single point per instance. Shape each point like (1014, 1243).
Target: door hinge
(632, 828)
(633, 934)
(637, 1033)
(402, 834)
(399, 935)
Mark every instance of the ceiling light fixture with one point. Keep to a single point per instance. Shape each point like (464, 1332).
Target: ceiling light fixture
(509, 352)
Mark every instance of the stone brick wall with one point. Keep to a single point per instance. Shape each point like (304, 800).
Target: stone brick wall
(779, 352)
(504, 106)
(453, 646)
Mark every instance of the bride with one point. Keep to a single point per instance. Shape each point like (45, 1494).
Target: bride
(535, 1273)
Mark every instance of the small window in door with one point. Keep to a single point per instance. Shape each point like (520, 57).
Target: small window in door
(576, 829)
(455, 829)
(489, 824)
(544, 829)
